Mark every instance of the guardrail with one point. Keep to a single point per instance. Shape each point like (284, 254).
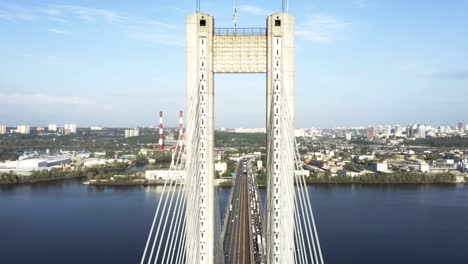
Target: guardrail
(239, 31)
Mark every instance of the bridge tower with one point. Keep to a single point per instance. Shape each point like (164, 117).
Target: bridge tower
(280, 139)
(213, 50)
(200, 139)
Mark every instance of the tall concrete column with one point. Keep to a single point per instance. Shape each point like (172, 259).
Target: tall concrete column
(280, 139)
(200, 139)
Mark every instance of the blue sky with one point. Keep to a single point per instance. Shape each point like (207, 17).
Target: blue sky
(118, 63)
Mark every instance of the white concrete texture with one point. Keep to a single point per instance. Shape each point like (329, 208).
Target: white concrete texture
(280, 133)
(271, 53)
(240, 53)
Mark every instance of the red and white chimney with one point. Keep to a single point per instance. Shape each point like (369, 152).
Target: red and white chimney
(161, 134)
(181, 130)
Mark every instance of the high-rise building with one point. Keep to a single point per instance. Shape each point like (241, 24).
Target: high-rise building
(421, 131)
(372, 133)
(132, 133)
(70, 127)
(460, 126)
(52, 127)
(23, 129)
(411, 131)
(399, 131)
(3, 129)
(348, 136)
(299, 132)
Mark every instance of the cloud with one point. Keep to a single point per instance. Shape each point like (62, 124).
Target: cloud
(255, 10)
(136, 27)
(15, 13)
(86, 14)
(54, 60)
(361, 3)
(42, 99)
(321, 28)
(162, 35)
(58, 31)
(452, 75)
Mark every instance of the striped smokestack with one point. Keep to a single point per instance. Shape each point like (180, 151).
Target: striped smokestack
(161, 134)
(181, 130)
(181, 115)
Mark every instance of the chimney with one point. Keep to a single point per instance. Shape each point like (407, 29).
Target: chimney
(161, 134)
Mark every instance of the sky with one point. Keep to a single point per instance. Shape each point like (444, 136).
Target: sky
(117, 63)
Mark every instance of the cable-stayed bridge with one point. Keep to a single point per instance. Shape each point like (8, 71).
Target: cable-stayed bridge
(187, 224)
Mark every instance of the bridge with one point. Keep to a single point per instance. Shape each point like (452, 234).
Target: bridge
(242, 237)
(187, 226)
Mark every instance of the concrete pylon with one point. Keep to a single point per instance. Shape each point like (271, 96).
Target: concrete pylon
(200, 139)
(270, 52)
(280, 138)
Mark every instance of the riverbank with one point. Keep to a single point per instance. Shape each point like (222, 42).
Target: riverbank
(390, 178)
(144, 182)
(108, 176)
(55, 174)
(381, 179)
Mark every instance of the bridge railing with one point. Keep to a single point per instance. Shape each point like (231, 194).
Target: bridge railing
(239, 31)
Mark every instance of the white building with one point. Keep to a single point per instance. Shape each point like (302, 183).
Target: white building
(23, 129)
(421, 131)
(58, 161)
(259, 164)
(94, 162)
(3, 130)
(449, 161)
(70, 127)
(379, 166)
(220, 167)
(366, 157)
(132, 133)
(300, 132)
(152, 175)
(423, 167)
(463, 165)
(96, 128)
(348, 136)
(398, 131)
(250, 130)
(25, 164)
(52, 127)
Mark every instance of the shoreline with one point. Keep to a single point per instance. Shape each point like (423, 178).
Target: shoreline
(223, 184)
(41, 180)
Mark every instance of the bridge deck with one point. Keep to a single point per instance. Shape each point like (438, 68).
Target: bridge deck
(242, 234)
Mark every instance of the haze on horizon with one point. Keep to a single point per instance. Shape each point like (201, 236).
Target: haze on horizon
(117, 64)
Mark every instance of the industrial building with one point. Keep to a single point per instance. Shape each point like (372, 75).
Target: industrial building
(132, 133)
(23, 129)
(379, 166)
(152, 175)
(69, 128)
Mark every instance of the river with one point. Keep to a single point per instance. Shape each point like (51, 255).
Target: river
(67, 222)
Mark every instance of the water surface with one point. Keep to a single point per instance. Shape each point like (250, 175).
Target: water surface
(67, 222)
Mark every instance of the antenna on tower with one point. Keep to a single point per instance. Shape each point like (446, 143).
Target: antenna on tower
(235, 16)
(286, 6)
(198, 6)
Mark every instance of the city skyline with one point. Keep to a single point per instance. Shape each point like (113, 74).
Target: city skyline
(358, 63)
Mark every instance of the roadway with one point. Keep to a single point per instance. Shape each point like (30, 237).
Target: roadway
(243, 231)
